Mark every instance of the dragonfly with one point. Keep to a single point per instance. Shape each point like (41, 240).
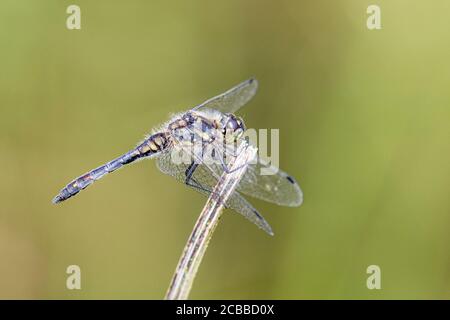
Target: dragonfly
(210, 124)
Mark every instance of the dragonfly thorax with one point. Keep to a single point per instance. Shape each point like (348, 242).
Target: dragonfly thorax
(193, 128)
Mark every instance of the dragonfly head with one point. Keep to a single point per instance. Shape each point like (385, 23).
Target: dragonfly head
(232, 126)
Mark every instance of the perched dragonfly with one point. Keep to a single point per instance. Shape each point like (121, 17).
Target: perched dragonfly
(210, 122)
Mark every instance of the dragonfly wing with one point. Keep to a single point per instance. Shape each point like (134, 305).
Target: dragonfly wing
(238, 203)
(233, 99)
(275, 186)
(203, 180)
(279, 188)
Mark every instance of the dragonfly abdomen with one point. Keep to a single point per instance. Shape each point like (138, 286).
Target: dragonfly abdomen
(153, 144)
(150, 146)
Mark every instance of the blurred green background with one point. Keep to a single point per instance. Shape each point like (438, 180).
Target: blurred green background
(364, 127)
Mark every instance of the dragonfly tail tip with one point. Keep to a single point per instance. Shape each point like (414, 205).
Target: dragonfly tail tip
(57, 199)
(268, 230)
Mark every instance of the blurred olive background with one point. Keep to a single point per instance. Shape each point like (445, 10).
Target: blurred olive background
(364, 127)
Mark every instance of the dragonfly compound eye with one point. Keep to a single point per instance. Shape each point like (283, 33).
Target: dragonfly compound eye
(233, 125)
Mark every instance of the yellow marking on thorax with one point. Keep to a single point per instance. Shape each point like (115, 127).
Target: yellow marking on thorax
(178, 124)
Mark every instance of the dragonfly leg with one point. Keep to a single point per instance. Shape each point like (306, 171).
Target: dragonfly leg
(190, 171)
(190, 180)
(225, 167)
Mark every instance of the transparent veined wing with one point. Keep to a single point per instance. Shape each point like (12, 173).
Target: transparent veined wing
(204, 180)
(276, 187)
(233, 99)
(279, 188)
